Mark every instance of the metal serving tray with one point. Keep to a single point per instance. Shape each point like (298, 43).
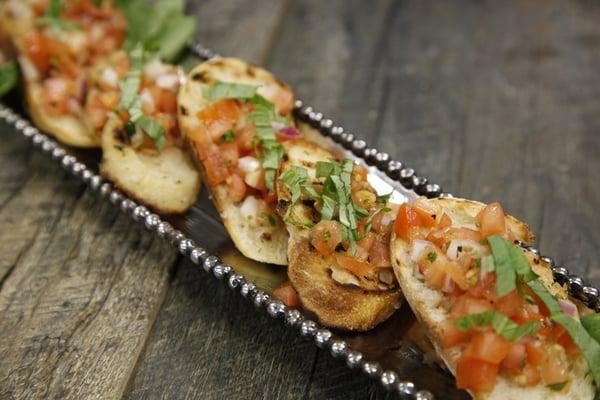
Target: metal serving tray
(396, 352)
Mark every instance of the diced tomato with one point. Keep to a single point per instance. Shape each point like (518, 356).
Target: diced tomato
(451, 335)
(378, 221)
(465, 305)
(326, 236)
(237, 188)
(492, 220)
(245, 136)
(479, 376)
(230, 153)
(406, 218)
(426, 219)
(516, 356)
(220, 116)
(352, 264)
(37, 47)
(379, 253)
(487, 346)
(284, 101)
(288, 295)
(485, 288)
(55, 96)
(555, 367)
(510, 305)
(166, 101)
(366, 242)
(269, 197)
(531, 374)
(216, 169)
(564, 339)
(535, 352)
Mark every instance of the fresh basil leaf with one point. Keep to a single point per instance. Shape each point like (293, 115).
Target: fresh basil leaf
(153, 130)
(52, 17)
(9, 77)
(328, 209)
(226, 90)
(538, 288)
(591, 323)
(520, 263)
(130, 85)
(489, 263)
(506, 276)
(557, 387)
(384, 199)
(227, 137)
(589, 347)
(324, 169)
(503, 325)
(432, 256)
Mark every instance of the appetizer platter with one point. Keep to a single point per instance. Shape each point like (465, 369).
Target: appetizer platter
(433, 296)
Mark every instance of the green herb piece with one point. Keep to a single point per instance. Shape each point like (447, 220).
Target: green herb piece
(328, 209)
(520, 263)
(478, 263)
(9, 77)
(591, 323)
(153, 130)
(130, 128)
(226, 90)
(489, 263)
(506, 276)
(557, 387)
(269, 218)
(540, 291)
(432, 256)
(325, 169)
(169, 31)
(53, 18)
(384, 199)
(297, 179)
(503, 325)
(227, 137)
(589, 347)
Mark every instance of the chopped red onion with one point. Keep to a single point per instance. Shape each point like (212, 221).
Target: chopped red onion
(289, 132)
(569, 308)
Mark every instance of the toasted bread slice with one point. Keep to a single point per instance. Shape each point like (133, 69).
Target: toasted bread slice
(18, 19)
(167, 182)
(352, 305)
(260, 242)
(430, 307)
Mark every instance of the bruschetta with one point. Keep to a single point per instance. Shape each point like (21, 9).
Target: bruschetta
(57, 43)
(491, 309)
(142, 148)
(234, 116)
(339, 228)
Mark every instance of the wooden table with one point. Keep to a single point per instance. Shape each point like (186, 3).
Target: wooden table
(495, 100)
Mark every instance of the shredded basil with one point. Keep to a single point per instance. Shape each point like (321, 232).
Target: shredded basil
(432, 256)
(520, 263)
(538, 288)
(9, 77)
(557, 387)
(591, 323)
(226, 90)
(503, 325)
(227, 137)
(52, 17)
(505, 273)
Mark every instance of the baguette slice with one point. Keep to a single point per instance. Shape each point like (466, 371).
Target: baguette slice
(18, 19)
(349, 307)
(260, 242)
(429, 306)
(168, 181)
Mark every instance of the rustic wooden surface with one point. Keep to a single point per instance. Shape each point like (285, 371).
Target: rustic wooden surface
(493, 100)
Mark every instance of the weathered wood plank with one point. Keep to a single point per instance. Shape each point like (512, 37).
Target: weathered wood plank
(496, 101)
(76, 309)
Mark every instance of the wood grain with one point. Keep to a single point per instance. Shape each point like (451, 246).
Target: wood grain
(494, 100)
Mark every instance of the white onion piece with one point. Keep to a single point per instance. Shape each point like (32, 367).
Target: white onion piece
(147, 101)
(569, 308)
(477, 249)
(109, 77)
(254, 178)
(418, 247)
(248, 164)
(153, 69)
(483, 271)
(168, 82)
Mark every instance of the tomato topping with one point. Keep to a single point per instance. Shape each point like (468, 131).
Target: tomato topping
(516, 356)
(451, 335)
(229, 153)
(37, 47)
(288, 295)
(510, 305)
(220, 116)
(425, 218)
(535, 352)
(531, 374)
(487, 346)
(352, 264)
(379, 253)
(479, 376)
(465, 305)
(445, 222)
(216, 169)
(237, 188)
(326, 236)
(492, 220)
(406, 219)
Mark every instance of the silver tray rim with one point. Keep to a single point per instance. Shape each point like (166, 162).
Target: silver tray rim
(322, 337)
